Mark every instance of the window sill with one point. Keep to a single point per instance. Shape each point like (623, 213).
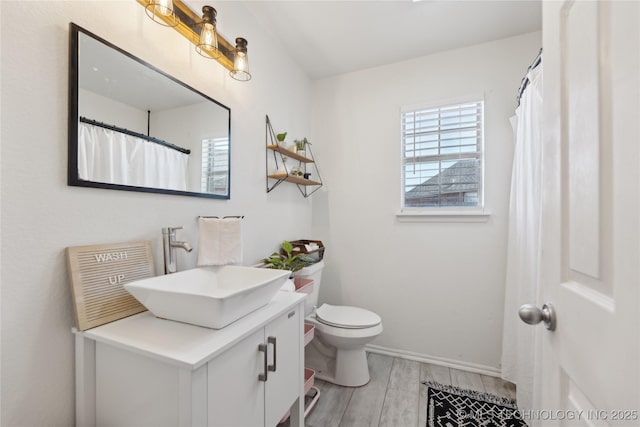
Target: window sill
(444, 215)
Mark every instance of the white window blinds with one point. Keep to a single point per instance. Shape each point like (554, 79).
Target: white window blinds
(442, 156)
(215, 165)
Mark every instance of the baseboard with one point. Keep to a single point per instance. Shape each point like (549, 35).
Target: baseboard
(449, 363)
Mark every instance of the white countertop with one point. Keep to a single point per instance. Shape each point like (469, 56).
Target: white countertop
(185, 345)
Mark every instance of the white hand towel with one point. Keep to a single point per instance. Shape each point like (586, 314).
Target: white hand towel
(220, 241)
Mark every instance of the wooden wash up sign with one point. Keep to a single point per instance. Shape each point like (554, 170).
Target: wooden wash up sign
(97, 274)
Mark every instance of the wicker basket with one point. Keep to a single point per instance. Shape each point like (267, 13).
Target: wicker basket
(299, 247)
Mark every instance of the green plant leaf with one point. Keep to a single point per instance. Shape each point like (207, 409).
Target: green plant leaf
(287, 247)
(288, 262)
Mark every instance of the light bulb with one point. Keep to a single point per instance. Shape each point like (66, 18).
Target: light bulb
(161, 12)
(208, 44)
(240, 61)
(208, 38)
(164, 7)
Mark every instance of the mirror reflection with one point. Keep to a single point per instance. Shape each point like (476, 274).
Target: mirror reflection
(135, 128)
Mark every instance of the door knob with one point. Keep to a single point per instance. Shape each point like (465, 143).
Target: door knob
(532, 315)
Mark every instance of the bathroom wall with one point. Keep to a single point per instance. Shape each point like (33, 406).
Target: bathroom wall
(41, 215)
(438, 286)
(200, 125)
(106, 110)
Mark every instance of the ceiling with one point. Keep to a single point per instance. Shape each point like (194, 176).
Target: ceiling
(108, 72)
(333, 37)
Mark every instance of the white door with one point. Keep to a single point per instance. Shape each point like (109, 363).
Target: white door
(590, 259)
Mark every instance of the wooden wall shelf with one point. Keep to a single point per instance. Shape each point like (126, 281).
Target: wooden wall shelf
(306, 163)
(294, 179)
(289, 153)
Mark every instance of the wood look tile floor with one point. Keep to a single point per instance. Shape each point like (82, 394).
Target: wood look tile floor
(395, 396)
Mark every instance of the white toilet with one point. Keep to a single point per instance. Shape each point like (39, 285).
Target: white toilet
(341, 332)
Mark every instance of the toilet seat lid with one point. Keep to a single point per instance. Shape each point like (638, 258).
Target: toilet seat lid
(343, 316)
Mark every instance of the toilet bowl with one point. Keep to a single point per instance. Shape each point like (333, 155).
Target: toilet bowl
(337, 353)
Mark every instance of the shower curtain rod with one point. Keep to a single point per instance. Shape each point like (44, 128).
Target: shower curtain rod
(136, 134)
(525, 79)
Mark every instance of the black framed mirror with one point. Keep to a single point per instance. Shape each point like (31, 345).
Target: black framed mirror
(133, 127)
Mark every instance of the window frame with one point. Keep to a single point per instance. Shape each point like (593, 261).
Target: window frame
(449, 213)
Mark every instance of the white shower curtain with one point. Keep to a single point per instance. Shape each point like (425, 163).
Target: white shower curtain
(518, 345)
(113, 157)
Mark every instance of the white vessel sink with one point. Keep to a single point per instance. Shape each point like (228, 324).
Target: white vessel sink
(208, 296)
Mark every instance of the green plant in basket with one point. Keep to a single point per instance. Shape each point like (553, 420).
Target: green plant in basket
(287, 260)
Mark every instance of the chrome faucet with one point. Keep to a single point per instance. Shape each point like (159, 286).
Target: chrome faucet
(169, 243)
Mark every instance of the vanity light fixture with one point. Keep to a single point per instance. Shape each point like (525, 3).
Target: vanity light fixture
(201, 31)
(208, 43)
(240, 61)
(161, 11)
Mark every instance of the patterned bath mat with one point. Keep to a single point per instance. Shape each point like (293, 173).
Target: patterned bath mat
(449, 406)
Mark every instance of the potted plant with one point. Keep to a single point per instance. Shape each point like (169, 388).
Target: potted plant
(301, 145)
(287, 260)
(280, 137)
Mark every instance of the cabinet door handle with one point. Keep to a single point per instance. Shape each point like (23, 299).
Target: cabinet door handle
(272, 340)
(263, 349)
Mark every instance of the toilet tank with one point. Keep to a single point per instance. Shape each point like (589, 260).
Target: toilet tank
(313, 272)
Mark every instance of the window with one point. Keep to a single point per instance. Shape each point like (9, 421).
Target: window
(442, 156)
(215, 165)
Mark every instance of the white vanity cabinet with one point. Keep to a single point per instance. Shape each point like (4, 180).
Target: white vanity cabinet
(145, 371)
(235, 398)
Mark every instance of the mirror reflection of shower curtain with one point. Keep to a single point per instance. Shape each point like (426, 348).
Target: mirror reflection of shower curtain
(113, 157)
(523, 251)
